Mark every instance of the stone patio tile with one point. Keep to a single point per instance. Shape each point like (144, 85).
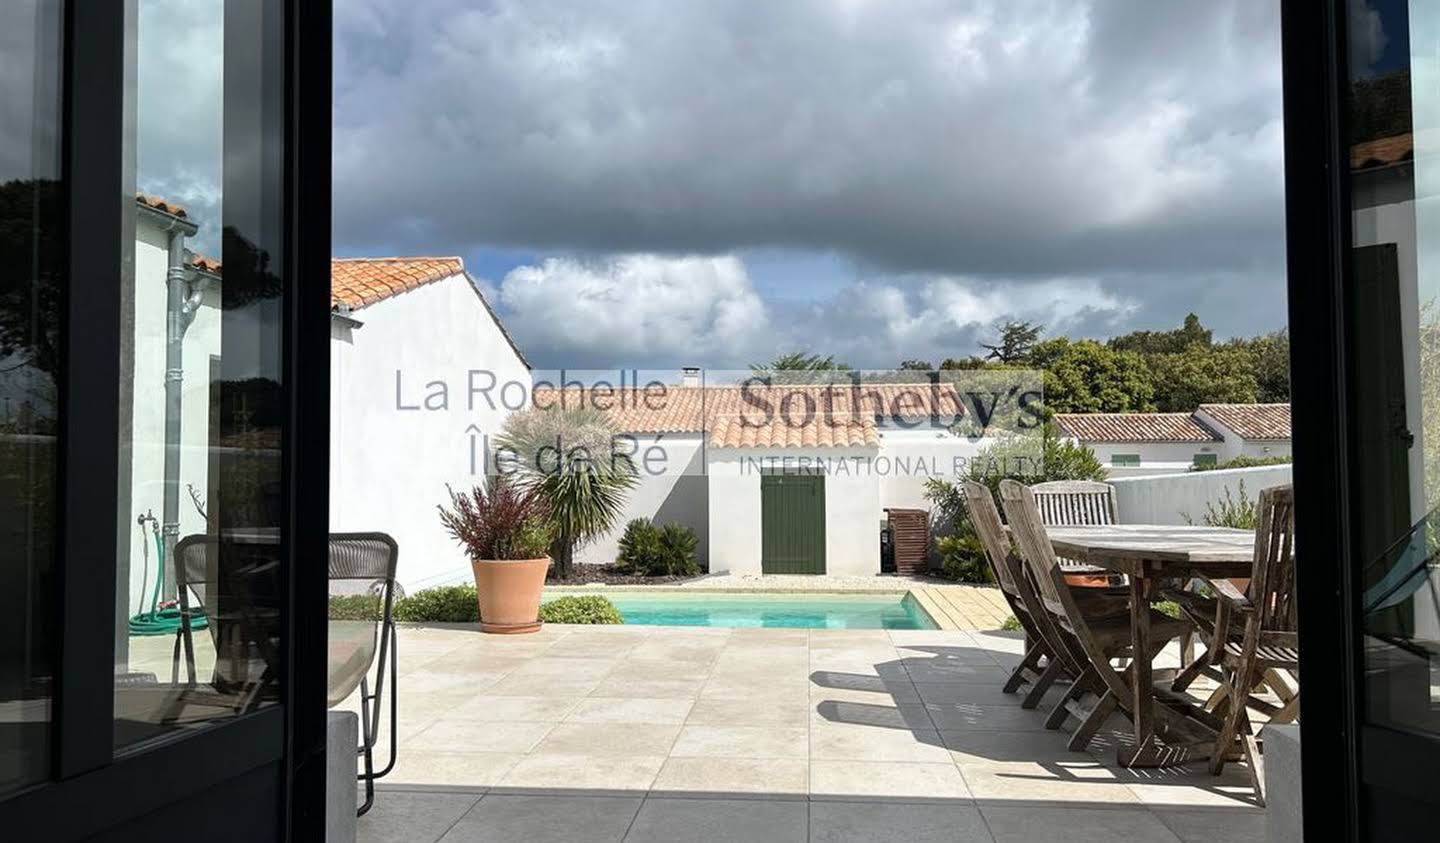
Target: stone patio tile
(861, 822)
(488, 708)
(539, 685)
(1191, 785)
(450, 682)
(986, 747)
(878, 714)
(843, 685)
(657, 668)
(987, 717)
(412, 815)
(757, 687)
(545, 819)
(742, 742)
(847, 638)
(846, 741)
(1014, 824)
(961, 692)
(933, 671)
(775, 712)
(1211, 825)
(1036, 782)
(461, 769)
(575, 668)
(707, 776)
(548, 772)
(451, 735)
(670, 711)
(609, 739)
(654, 687)
(890, 779)
(690, 650)
(677, 820)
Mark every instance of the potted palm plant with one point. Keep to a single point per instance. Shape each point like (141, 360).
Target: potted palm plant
(507, 533)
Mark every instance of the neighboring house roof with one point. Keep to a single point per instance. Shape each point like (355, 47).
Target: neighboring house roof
(758, 416)
(1382, 152)
(361, 282)
(164, 207)
(1252, 421)
(1135, 427)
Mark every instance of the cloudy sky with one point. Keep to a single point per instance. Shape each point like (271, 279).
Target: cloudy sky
(656, 182)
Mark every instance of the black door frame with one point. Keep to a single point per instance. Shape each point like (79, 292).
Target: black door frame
(1318, 253)
(92, 789)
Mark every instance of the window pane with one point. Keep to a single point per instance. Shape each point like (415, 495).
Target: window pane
(31, 218)
(1394, 285)
(200, 565)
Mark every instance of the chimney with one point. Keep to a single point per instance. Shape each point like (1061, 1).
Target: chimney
(690, 376)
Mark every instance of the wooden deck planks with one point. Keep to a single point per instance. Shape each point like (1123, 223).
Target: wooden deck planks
(963, 606)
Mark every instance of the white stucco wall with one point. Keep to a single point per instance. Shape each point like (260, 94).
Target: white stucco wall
(1155, 457)
(852, 509)
(1167, 499)
(392, 454)
(147, 423)
(672, 488)
(918, 455)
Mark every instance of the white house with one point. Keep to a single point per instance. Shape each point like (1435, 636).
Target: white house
(1135, 444)
(774, 479)
(421, 374)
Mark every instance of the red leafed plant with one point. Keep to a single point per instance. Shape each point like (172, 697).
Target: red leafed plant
(504, 523)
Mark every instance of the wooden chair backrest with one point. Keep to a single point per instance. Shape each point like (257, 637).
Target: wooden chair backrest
(1272, 584)
(1039, 554)
(988, 526)
(1074, 503)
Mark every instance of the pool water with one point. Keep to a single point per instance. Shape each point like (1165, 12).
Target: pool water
(805, 611)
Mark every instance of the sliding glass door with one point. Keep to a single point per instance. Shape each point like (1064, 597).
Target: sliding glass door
(161, 639)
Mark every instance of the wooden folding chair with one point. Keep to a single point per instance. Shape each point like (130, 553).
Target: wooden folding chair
(1262, 643)
(1091, 641)
(1024, 604)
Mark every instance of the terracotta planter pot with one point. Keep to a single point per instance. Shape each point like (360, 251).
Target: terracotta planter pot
(509, 593)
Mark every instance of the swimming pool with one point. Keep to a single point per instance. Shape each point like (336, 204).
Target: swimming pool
(806, 611)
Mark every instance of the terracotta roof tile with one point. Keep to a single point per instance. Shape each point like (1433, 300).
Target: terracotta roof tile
(360, 282)
(1135, 427)
(758, 416)
(1252, 421)
(1382, 152)
(161, 205)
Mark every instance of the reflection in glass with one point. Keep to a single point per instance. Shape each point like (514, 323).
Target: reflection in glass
(31, 218)
(201, 563)
(1394, 115)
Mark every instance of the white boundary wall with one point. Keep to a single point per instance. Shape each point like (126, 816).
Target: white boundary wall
(1168, 498)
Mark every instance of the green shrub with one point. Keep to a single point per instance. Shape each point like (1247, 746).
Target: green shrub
(589, 608)
(1230, 511)
(650, 551)
(1011, 624)
(445, 604)
(1168, 608)
(962, 557)
(679, 543)
(355, 607)
(1244, 462)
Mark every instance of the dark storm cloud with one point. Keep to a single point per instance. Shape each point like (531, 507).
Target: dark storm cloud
(1118, 139)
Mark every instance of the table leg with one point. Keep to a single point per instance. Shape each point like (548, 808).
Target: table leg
(1140, 671)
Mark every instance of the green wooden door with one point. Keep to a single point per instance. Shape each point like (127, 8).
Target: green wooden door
(792, 524)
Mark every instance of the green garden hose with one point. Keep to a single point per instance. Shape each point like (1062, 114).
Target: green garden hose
(159, 621)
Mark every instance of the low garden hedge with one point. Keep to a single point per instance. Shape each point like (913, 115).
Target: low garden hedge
(457, 604)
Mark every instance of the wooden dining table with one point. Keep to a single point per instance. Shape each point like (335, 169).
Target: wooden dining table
(1149, 554)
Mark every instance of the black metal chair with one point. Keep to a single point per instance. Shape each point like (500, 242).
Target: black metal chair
(363, 565)
(233, 580)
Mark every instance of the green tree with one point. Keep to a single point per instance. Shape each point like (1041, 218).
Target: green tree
(1086, 377)
(915, 365)
(1014, 343)
(1184, 381)
(1188, 335)
(568, 457)
(1270, 354)
(800, 361)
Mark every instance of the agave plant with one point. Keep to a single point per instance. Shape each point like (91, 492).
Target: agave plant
(567, 457)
